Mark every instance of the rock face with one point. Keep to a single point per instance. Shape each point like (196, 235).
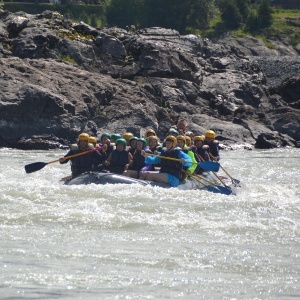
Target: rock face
(58, 79)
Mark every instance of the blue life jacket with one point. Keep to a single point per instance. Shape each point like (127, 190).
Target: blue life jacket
(170, 166)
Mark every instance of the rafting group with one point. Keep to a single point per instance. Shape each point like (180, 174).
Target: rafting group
(179, 156)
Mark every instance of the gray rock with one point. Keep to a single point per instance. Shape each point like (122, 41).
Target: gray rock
(58, 79)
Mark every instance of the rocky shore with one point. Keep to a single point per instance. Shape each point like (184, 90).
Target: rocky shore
(58, 79)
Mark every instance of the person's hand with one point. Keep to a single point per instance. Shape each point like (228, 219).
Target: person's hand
(62, 159)
(145, 154)
(182, 160)
(187, 172)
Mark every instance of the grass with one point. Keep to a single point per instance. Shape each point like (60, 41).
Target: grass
(67, 59)
(282, 28)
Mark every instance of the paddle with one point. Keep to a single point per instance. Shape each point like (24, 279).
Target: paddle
(224, 190)
(205, 165)
(40, 165)
(218, 177)
(234, 181)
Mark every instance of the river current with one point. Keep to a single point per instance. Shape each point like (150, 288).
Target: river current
(135, 242)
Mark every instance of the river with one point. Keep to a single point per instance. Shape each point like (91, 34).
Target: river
(135, 242)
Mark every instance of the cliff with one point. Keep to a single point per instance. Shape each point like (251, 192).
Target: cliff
(58, 79)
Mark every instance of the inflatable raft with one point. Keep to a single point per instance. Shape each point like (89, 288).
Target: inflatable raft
(203, 182)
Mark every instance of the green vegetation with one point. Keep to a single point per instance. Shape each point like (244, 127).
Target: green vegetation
(67, 59)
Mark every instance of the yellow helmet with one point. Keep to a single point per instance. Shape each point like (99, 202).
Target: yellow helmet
(92, 140)
(127, 136)
(181, 137)
(83, 137)
(199, 138)
(149, 131)
(172, 138)
(210, 134)
(187, 138)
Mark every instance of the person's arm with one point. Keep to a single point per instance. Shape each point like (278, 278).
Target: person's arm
(187, 160)
(130, 161)
(151, 159)
(107, 162)
(64, 160)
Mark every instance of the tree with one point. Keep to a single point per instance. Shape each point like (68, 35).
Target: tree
(252, 21)
(230, 13)
(200, 13)
(264, 14)
(244, 8)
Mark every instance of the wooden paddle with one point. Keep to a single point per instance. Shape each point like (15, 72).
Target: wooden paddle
(30, 168)
(234, 181)
(205, 165)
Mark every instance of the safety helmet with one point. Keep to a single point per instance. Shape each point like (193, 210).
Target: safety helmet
(210, 134)
(92, 140)
(149, 131)
(127, 135)
(172, 138)
(121, 142)
(142, 140)
(152, 137)
(181, 137)
(105, 134)
(115, 136)
(172, 130)
(134, 138)
(198, 138)
(83, 137)
(188, 138)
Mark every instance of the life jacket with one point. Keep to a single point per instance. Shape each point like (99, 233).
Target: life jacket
(183, 175)
(170, 166)
(82, 163)
(138, 161)
(202, 153)
(213, 148)
(118, 161)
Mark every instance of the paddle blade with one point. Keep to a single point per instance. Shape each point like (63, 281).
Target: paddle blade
(35, 167)
(209, 166)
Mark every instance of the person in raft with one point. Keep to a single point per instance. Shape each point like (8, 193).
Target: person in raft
(83, 163)
(120, 159)
(170, 171)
